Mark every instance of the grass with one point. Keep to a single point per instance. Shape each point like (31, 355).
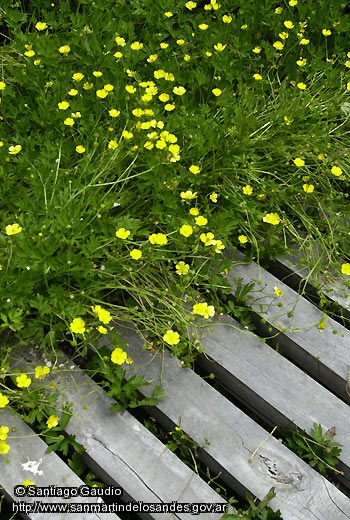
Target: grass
(138, 143)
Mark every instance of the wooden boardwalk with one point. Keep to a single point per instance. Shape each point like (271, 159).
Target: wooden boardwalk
(304, 382)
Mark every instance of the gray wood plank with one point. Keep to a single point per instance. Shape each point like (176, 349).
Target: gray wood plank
(335, 287)
(324, 353)
(27, 446)
(122, 451)
(205, 414)
(272, 386)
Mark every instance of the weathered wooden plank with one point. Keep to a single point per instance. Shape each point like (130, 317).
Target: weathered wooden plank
(335, 288)
(271, 386)
(205, 414)
(27, 446)
(122, 451)
(324, 353)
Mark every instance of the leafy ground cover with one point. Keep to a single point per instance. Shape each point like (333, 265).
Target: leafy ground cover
(140, 140)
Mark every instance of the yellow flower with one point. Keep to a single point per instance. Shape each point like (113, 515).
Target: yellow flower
(158, 239)
(28, 482)
(77, 326)
(218, 246)
(4, 448)
(2, 85)
(247, 190)
(257, 77)
(283, 35)
(118, 55)
(30, 53)
(293, 2)
(186, 230)
(102, 314)
(299, 162)
(113, 145)
(203, 309)
(64, 49)
(169, 107)
(190, 5)
(76, 115)
(135, 254)
(220, 47)
(278, 292)
(63, 105)
(194, 169)
(102, 330)
(201, 221)
(188, 195)
(301, 86)
(217, 92)
(78, 76)
(244, 27)
(130, 88)
(182, 268)
(345, 269)
(304, 41)
(179, 91)
(3, 432)
(278, 45)
(203, 26)
(152, 58)
(322, 324)
(118, 356)
(41, 372)
(108, 87)
(194, 211)
(180, 41)
(120, 41)
(301, 62)
(23, 381)
(52, 421)
(13, 229)
(257, 49)
(136, 46)
(171, 337)
(101, 93)
(168, 14)
(326, 32)
(69, 121)
(164, 97)
(137, 112)
(336, 171)
(122, 233)
(97, 73)
(272, 218)
(73, 92)
(41, 26)
(164, 45)
(288, 24)
(127, 135)
(287, 120)
(13, 150)
(242, 239)
(227, 19)
(308, 188)
(80, 148)
(213, 197)
(3, 400)
(207, 239)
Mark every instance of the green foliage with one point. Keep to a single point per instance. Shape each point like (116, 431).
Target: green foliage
(113, 379)
(256, 510)
(318, 449)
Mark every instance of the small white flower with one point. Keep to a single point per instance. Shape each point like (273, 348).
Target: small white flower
(33, 466)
